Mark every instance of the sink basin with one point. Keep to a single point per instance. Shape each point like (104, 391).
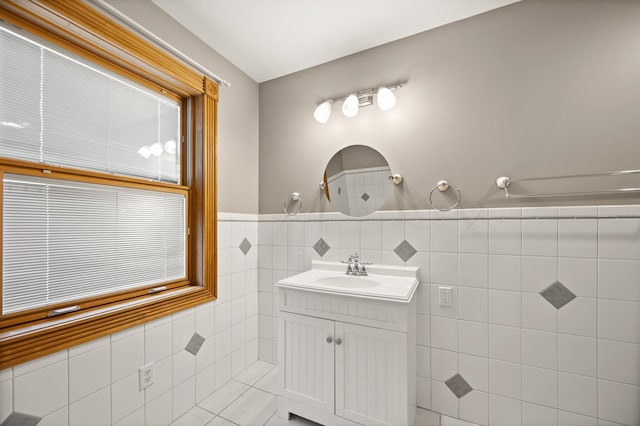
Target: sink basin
(387, 282)
(346, 281)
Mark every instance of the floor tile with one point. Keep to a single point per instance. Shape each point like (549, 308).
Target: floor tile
(254, 373)
(254, 407)
(219, 421)
(220, 399)
(269, 383)
(427, 418)
(194, 417)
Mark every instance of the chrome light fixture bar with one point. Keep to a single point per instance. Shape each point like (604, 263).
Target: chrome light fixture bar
(352, 102)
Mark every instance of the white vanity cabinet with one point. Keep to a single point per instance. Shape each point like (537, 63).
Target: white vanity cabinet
(346, 358)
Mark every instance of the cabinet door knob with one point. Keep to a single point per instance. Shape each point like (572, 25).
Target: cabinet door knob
(329, 339)
(338, 341)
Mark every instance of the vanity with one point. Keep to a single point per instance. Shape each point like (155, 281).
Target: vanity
(346, 345)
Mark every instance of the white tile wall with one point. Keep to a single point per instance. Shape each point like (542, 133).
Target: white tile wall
(505, 272)
(540, 386)
(527, 362)
(474, 408)
(539, 349)
(473, 338)
(92, 409)
(505, 378)
(504, 411)
(578, 355)
(538, 415)
(97, 382)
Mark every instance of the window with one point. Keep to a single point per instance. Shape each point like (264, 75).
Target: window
(66, 240)
(107, 174)
(57, 108)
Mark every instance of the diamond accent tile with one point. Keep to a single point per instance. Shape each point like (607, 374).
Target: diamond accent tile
(458, 385)
(195, 343)
(245, 246)
(21, 419)
(557, 294)
(321, 247)
(365, 196)
(405, 251)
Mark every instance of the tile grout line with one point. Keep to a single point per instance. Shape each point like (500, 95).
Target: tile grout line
(488, 334)
(597, 378)
(235, 399)
(557, 326)
(111, 377)
(521, 323)
(457, 303)
(229, 404)
(69, 385)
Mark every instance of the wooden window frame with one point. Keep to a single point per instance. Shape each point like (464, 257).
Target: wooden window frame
(77, 27)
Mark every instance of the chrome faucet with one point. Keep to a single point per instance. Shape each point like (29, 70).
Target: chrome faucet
(352, 264)
(355, 267)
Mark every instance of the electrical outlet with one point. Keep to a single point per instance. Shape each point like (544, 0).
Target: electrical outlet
(445, 296)
(145, 375)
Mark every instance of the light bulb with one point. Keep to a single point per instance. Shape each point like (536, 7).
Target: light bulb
(156, 149)
(323, 112)
(350, 106)
(170, 146)
(145, 152)
(386, 99)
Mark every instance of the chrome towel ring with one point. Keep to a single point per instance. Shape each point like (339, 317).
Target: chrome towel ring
(296, 198)
(444, 186)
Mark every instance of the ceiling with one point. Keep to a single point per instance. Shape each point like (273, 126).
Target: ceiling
(269, 39)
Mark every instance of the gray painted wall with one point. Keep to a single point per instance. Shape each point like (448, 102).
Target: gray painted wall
(536, 88)
(238, 107)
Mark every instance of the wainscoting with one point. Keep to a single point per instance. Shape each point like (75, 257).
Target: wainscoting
(545, 326)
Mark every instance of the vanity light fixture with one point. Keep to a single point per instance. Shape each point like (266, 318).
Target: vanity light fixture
(351, 103)
(323, 112)
(350, 106)
(386, 99)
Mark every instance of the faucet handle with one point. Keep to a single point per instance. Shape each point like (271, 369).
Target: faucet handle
(349, 260)
(362, 270)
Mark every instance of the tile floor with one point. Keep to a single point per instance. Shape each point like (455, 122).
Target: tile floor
(250, 399)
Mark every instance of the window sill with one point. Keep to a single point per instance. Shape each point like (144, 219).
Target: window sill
(29, 341)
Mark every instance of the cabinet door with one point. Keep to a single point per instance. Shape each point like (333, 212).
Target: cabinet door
(306, 360)
(371, 375)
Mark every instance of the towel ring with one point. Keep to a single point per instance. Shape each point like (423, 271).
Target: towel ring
(296, 197)
(443, 186)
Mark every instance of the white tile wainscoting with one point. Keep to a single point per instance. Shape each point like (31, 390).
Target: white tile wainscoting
(527, 361)
(545, 326)
(97, 383)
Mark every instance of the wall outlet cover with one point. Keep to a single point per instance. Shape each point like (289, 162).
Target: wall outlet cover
(145, 375)
(445, 296)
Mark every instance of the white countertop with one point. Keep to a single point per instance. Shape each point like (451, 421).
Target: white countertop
(385, 282)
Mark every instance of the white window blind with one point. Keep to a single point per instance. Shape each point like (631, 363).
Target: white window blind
(59, 109)
(65, 240)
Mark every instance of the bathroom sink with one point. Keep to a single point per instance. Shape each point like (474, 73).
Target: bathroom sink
(348, 281)
(394, 283)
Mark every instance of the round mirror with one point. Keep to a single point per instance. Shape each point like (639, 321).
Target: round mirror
(357, 180)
